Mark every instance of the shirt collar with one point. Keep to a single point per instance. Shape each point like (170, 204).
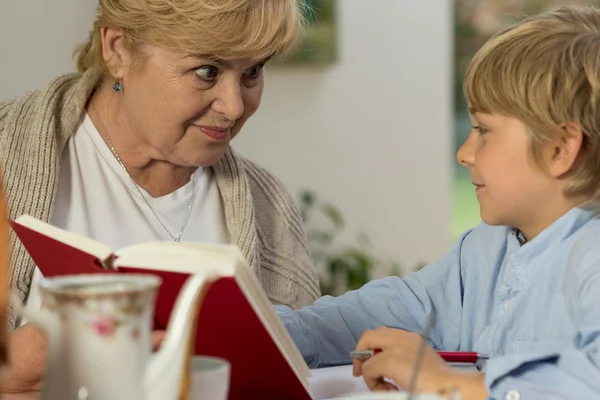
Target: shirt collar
(567, 224)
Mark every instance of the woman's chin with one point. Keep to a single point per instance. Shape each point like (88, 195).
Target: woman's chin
(206, 158)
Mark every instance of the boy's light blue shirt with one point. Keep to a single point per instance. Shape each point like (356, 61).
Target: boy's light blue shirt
(535, 309)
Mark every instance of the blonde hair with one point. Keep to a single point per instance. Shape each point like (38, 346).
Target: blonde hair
(227, 29)
(545, 71)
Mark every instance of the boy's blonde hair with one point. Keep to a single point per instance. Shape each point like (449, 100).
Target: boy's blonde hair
(227, 29)
(545, 71)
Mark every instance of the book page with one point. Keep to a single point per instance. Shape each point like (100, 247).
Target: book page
(332, 382)
(174, 257)
(217, 260)
(264, 310)
(259, 302)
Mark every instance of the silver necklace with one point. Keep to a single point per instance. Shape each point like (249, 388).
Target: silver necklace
(189, 208)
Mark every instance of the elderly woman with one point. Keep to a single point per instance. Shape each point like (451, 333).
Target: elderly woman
(136, 147)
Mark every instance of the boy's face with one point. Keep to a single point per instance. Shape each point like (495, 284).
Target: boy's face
(511, 188)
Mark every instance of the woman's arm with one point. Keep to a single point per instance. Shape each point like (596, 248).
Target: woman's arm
(27, 355)
(288, 274)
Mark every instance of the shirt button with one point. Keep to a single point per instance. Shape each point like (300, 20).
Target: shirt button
(508, 305)
(512, 395)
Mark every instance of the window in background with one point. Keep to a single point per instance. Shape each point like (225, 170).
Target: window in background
(318, 45)
(474, 22)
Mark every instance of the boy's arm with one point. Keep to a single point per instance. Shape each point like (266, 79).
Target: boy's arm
(328, 330)
(570, 374)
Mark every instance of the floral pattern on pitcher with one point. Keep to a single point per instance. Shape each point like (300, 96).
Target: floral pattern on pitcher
(105, 325)
(120, 311)
(106, 314)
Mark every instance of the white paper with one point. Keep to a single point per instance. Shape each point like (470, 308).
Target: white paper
(328, 383)
(333, 382)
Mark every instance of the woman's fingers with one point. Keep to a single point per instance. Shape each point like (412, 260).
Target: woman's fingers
(157, 338)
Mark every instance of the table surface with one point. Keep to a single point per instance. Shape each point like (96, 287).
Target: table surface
(326, 383)
(334, 382)
(21, 396)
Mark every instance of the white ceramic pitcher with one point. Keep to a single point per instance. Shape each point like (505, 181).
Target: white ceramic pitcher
(99, 330)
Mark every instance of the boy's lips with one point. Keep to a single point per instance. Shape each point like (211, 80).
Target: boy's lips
(478, 187)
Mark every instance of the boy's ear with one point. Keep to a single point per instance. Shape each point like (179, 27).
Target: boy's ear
(564, 152)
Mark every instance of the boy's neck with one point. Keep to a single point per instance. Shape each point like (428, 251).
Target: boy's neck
(547, 217)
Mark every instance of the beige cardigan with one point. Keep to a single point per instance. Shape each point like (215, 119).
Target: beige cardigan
(260, 215)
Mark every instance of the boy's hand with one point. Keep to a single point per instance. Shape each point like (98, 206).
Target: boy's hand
(397, 362)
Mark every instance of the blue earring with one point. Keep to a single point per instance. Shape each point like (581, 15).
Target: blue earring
(117, 86)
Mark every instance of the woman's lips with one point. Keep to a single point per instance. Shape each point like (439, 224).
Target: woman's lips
(216, 133)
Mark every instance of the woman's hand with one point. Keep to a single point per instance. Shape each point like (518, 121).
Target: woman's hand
(397, 362)
(157, 339)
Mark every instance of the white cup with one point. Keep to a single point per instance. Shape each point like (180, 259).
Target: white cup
(209, 378)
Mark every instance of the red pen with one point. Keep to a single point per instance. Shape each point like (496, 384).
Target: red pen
(463, 356)
(448, 356)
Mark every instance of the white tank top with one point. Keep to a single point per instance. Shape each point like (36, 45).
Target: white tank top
(97, 199)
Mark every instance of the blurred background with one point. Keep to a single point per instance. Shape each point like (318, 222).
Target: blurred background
(361, 123)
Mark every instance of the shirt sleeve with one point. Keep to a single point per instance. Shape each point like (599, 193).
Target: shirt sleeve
(328, 330)
(570, 374)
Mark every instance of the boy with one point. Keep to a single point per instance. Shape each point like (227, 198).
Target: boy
(524, 285)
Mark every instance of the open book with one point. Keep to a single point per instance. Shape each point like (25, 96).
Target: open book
(235, 321)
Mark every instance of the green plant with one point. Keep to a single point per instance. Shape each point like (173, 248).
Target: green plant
(341, 266)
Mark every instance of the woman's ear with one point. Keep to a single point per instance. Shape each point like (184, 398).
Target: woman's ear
(564, 152)
(115, 53)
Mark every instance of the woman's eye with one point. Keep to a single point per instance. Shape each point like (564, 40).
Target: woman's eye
(254, 72)
(207, 72)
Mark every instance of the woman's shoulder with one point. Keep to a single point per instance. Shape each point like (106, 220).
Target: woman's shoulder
(50, 87)
(270, 197)
(259, 174)
(265, 184)
(5, 108)
(32, 99)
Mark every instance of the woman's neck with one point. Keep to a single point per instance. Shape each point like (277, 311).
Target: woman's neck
(155, 176)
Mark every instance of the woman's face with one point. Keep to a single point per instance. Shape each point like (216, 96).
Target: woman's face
(185, 109)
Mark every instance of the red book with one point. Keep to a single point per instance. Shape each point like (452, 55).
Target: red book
(235, 321)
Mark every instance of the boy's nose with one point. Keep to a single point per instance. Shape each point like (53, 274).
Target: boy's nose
(466, 154)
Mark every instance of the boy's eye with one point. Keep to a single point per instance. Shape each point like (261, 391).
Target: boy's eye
(207, 72)
(480, 130)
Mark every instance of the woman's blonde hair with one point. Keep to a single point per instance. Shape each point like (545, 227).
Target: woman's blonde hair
(227, 29)
(545, 71)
